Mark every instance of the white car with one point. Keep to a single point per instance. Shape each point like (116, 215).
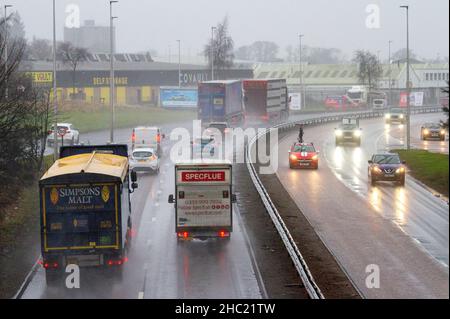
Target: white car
(144, 160)
(66, 133)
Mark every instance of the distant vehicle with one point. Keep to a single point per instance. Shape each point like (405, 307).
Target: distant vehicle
(336, 102)
(395, 115)
(144, 160)
(379, 104)
(85, 209)
(204, 146)
(220, 101)
(386, 167)
(265, 101)
(147, 137)
(67, 134)
(432, 131)
(357, 96)
(348, 132)
(303, 155)
(203, 200)
(361, 96)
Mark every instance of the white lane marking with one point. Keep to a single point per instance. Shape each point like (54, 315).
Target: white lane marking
(153, 219)
(141, 295)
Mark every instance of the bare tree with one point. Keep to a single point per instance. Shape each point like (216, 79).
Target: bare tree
(369, 68)
(72, 56)
(222, 46)
(24, 119)
(39, 49)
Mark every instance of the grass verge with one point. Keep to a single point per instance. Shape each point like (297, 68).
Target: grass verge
(98, 119)
(19, 237)
(429, 168)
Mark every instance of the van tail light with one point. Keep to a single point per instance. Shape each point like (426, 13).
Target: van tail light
(133, 137)
(224, 234)
(49, 264)
(158, 138)
(117, 262)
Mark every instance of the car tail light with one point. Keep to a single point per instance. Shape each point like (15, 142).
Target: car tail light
(117, 262)
(50, 264)
(158, 138)
(223, 234)
(133, 137)
(265, 117)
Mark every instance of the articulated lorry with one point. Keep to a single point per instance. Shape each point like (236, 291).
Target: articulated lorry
(203, 200)
(265, 101)
(85, 209)
(220, 101)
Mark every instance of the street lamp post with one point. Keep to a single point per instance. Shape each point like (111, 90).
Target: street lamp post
(55, 93)
(390, 70)
(111, 75)
(303, 99)
(179, 63)
(408, 86)
(6, 6)
(212, 53)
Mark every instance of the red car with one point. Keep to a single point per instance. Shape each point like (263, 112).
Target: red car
(303, 155)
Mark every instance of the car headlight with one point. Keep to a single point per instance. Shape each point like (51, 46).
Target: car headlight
(388, 116)
(376, 169)
(293, 157)
(339, 132)
(401, 116)
(400, 170)
(315, 158)
(426, 132)
(357, 133)
(442, 132)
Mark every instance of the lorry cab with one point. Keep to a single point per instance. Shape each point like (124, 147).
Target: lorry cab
(85, 209)
(203, 200)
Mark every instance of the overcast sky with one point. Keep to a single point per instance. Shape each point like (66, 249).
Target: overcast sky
(156, 24)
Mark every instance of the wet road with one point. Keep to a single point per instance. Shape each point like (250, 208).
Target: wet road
(402, 230)
(158, 266)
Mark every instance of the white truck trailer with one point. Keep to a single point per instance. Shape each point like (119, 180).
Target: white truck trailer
(203, 200)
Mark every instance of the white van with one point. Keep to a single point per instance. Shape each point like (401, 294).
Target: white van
(203, 200)
(147, 137)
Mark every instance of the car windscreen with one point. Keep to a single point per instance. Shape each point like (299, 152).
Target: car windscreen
(386, 159)
(396, 111)
(433, 126)
(142, 154)
(348, 127)
(304, 148)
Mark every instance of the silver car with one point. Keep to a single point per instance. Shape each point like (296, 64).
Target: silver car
(144, 160)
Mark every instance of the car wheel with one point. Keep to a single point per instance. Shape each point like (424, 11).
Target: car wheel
(402, 181)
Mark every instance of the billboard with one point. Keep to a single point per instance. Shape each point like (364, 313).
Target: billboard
(416, 99)
(295, 101)
(178, 97)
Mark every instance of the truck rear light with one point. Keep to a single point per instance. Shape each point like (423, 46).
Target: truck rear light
(183, 234)
(224, 233)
